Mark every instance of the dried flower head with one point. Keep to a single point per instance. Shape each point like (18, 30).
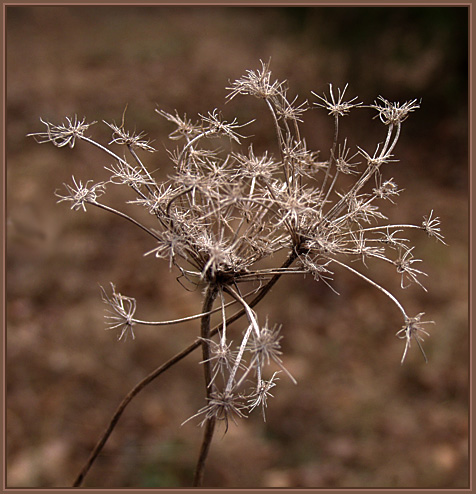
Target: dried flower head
(222, 406)
(80, 195)
(413, 330)
(394, 113)
(336, 107)
(225, 215)
(63, 134)
(121, 312)
(257, 83)
(125, 138)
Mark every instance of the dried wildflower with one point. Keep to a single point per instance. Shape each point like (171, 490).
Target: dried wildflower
(343, 162)
(386, 189)
(290, 111)
(222, 215)
(265, 346)
(318, 268)
(257, 83)
(404, 263)
(256, 167)
(133, 176)
(378, 159)
(223, 358)
(185, 128)
(169, 246)
(214, 124)
(302, 160)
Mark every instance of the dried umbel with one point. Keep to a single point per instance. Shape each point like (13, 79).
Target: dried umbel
(222, 212)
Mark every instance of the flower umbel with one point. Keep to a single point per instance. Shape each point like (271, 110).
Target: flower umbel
(261, 394)
(413, 330)
(124, 137)
(265, 346)
(431, 227)
(222, 406)
(257, 83)
(63, 134)
(393, 113)
(336, 107)
(404, 263)
(81, 194)
(122, 311)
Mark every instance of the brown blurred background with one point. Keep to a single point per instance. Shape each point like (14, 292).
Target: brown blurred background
(356, 418)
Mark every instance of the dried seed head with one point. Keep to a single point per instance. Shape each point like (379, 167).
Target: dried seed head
(413, 330)
(394, 113)
(63, 134)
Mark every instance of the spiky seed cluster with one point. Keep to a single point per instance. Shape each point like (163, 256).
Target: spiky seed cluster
(224, 211)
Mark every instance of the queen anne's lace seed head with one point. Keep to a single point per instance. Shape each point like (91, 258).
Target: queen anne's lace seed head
(222, 406)
(394, 113)
(261, 394)
(225, 215)
(185, 127)
(63, 134)
(413, 330)
(336, 107)
(214, 124)
(431, 227)
(121, 312)
(257, 83)
(125, 138)
(80, 195)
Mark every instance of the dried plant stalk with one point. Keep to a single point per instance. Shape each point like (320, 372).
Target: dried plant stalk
(223, 212)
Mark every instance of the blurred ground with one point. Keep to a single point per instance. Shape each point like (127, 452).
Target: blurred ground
(356, 418)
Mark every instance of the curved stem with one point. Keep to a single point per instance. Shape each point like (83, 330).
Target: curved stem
(144, 169)
(210, 297)
(183, 319)
(123, 215)
(122, 406)
(376, 285)
(157, 372)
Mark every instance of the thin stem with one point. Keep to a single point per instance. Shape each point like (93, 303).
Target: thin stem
(157, 372)
(106, 150)
(376, 285)
(397, 135)
(393, 227)
(183, 319)
(204, 449)
(123, 215)
(210, 297)
(122, 406)
(281, 141)
(144, 169)
(331, 162)
(249, 312)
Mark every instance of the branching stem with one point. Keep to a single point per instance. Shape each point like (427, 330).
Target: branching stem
(160, 370)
